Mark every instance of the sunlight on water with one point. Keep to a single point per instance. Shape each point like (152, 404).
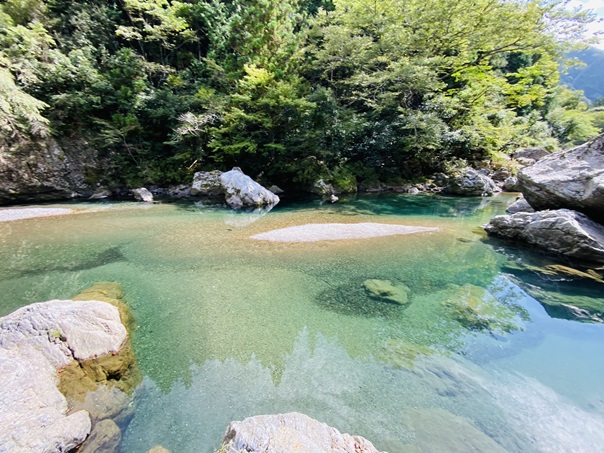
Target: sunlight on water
(229, 327)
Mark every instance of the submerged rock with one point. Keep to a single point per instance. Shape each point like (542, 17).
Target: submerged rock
(571, 179)
(293, 432)
(386, 291)
(104, 438)
(477, 309)
(469, 182)
(431, 429)
(241, 191)
(562, 231)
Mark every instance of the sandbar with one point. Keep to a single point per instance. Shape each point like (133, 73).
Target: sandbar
(7, 215)
(313, 232)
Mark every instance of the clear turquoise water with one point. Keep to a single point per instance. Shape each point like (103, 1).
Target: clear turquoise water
(229, 327)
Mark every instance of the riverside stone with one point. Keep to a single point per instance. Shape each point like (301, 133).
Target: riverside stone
(292, 433)
(104, 438)
(571, 179)
(242, 191)
(35, 342)
(207, 183)
(520, 205)
(470, 182)
(143, 194)
(561, 231)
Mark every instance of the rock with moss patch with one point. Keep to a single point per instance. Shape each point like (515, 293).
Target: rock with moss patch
(385, 291)
(477, 309)
(207, 183)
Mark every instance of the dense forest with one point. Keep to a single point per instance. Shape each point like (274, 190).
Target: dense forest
(290, 91)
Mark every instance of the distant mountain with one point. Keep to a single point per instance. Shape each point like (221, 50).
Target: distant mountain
(589, 78)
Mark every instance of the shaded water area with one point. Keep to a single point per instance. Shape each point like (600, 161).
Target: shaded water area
(229, 327)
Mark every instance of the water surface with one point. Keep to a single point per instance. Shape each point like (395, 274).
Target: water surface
(229, 327)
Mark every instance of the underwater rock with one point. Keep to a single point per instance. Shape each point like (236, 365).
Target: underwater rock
(293, 432)
(158, 449)
(385, 290)
(105, 437)
(477, 309)
(142, 194)
(571, 179)
(562, 231)
(432, 429)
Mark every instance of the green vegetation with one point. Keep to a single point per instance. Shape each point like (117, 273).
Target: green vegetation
(290, 91)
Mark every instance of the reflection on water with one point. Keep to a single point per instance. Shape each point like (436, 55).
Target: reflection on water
(230, 327)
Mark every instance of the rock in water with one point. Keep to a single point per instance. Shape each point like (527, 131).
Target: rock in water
(143, 194)
(291, 433)
(243, 192)
(571, 179)
(104, 438)
(385, 290)
(207, 183)
(36, 341)
(561, 231)
(469, 182)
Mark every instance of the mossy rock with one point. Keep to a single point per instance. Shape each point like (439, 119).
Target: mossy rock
(118, 370)
(477, 309)
(384, 290)
(402, 354)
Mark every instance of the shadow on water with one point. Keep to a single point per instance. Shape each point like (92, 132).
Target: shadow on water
(67, 261)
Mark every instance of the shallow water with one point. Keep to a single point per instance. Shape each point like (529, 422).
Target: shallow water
(229, 327)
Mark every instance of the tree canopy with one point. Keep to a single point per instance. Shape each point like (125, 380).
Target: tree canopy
(294, 90)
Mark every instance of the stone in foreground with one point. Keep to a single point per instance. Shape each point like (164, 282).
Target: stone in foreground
(313, 232)
(241, 191)
(35, 342)
(386, 291)
(571, 179)
(291, 433)
(561, 231)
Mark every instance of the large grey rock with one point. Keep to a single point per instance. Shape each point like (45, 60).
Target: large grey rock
(292, 433)
(207, 183)
(530, 155)
(469, 182)
(572, 179)
(35, 342)
(143, 194)
(47, 169)
(561, 231)
(241, 191)
(520, 205)
(511, 184)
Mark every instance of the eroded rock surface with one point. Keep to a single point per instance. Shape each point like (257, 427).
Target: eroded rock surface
(571, 179)
(241, 191)
(561, 231)
(469, 182)
(292, 433)
(52, 354)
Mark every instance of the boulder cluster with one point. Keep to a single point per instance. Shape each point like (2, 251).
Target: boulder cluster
(562, 209)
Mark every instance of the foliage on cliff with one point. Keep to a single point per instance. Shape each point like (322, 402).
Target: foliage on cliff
(293, 90)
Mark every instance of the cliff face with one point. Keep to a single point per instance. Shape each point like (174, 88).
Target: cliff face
(47, 169)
